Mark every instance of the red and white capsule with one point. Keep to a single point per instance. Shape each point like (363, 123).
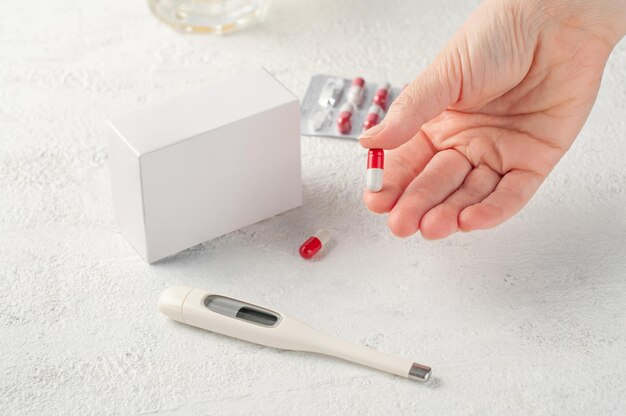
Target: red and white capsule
(356, 92)
(373, 117)
(344, 119)
(382, 95)
(314, 244)
(375, 166)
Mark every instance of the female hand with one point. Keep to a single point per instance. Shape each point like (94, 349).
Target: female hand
(472, 138)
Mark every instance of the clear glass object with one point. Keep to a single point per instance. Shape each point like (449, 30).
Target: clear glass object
(211, 16)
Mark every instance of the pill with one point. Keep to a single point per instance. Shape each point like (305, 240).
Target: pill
(375, 166)
(344, 122)
(381, 95)
(314, 244)
(356, 92)
(373, 117)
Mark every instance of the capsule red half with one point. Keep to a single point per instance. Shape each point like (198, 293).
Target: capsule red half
(314, 244)
(375, 166)
(376, 159)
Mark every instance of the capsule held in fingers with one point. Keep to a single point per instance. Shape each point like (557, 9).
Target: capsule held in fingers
(375, 166)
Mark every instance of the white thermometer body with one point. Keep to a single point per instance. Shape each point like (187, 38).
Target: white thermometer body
(252, 323)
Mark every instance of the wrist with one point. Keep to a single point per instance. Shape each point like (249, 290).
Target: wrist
(605, 19)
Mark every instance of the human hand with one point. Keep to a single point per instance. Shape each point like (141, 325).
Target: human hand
(472, 138)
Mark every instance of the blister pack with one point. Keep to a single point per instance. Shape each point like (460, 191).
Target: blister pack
(341, 107)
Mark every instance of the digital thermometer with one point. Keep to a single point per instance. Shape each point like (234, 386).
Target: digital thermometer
(252, 323)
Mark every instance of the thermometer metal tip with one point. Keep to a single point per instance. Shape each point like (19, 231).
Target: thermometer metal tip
(419, 372)
(252, 323)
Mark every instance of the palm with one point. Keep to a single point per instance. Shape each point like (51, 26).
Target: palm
(477, 163)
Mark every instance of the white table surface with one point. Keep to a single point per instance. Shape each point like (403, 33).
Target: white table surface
(528, 318)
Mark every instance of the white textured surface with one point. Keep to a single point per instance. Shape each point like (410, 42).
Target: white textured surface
(529, 318)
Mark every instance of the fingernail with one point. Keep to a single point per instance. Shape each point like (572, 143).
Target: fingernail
(368, 134)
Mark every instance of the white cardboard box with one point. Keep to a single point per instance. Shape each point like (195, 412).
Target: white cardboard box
(205, 163)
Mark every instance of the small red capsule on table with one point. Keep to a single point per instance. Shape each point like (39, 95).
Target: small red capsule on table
(314, 244)
(344, 122)
(375, 166)
(382, 95)
(373, 117)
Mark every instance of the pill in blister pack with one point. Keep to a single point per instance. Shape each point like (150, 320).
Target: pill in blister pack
(341, 107)
(356, 92)
(374, 115)
(344, 119)
(381, 95)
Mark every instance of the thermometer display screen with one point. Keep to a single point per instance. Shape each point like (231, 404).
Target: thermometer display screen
(258, 317)
(241, 310)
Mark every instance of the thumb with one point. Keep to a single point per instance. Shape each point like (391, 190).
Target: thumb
(435, 89)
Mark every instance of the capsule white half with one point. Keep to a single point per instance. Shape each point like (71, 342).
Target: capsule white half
(374, 179)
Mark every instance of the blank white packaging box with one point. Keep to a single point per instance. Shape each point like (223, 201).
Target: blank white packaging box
(205, 163)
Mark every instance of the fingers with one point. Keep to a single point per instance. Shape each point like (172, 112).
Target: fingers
(402, 165)
(442, 220)
(512, 193)
(441, 177)
(436, 88)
